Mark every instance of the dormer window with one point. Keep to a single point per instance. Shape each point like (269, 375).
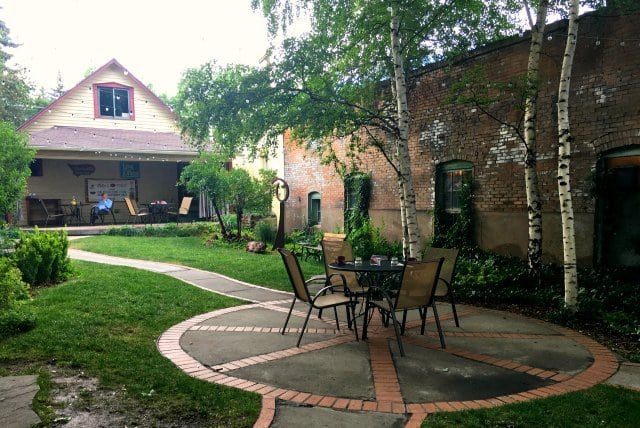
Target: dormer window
(113, 101)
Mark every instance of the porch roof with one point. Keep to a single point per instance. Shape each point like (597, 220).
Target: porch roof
(68, 138)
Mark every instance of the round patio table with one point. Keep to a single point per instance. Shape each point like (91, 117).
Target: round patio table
(376, 275)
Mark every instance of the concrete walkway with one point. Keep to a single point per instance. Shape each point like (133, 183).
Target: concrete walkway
(16, 398)
(494, 358)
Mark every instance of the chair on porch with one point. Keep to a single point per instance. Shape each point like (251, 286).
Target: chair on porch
(102, 215)
(183, 210)
(51, 215)
(445, 283)
(321, 300)
(417, 291)
(134, 212)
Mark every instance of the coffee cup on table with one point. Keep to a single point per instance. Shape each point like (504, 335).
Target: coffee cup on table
(341, 260)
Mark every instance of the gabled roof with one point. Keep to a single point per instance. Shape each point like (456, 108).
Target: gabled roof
(112, 62)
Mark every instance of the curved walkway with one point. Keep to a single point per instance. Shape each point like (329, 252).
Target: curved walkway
(495, 358)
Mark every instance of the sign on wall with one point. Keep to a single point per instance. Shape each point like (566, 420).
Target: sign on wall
(82, 169)
(129, 169)
(116, 189)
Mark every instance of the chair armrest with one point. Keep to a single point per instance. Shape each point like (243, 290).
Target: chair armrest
(385, 295)
(322, 290)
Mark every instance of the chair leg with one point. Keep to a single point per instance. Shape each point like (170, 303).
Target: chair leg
(365, 323)
(320, 314)
(404, 321)
(348, 317)
(423, 315)
(288, 316)
(397, 329)
(304, 326)
(453, 308)
(435, 315)
(353, 313)
(335, 312)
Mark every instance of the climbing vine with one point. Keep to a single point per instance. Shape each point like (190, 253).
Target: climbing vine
(357, 193)
(455, 230)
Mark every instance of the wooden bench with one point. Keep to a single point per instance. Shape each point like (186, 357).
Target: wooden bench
(308, 249)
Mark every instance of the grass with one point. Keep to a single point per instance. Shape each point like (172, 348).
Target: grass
(105, 322)
(227, 259)
(600, 406)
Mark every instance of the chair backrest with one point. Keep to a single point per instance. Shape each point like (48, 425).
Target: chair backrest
(450, 256)
(418, 285)
(44, 207)
(185, 205)
(295, 275)
(331, 249)
(131, 205)
(334, 236)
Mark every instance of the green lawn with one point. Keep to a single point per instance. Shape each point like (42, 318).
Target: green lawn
(600, 406)
(260, 269)
(105, 322)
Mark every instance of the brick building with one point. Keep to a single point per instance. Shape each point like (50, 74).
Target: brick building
(455, 140)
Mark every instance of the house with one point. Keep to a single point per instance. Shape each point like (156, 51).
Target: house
(108, 133)
(448, 142)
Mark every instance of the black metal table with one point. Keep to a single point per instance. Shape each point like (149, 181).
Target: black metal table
(74, 211)
(375, 274)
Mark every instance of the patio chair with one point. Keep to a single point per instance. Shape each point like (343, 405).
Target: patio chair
(134, 212)
(183, 210)
(339, 237)
(445, 283)
(102, 215)
(51, 215)
(321, 300)
(417, 291)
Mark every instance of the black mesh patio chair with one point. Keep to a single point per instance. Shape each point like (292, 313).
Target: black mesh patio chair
(321, 300)
(444, 290)
(417, 291)
(102, 215)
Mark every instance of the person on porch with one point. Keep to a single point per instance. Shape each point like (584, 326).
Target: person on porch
(101, 208)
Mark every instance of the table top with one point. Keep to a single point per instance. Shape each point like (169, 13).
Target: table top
(366, 266)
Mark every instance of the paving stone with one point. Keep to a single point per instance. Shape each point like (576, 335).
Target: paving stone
(213, 348)
(319, 417)
(431, 375)
(555, 353)
(493, 322)
(341, 370)
(264, 318)
(627, 376)
(16, 398)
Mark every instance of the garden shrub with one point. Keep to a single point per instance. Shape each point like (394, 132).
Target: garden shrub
(368, 240)
(42, 257)
(265, 230)
(14, 318)
(167, 230)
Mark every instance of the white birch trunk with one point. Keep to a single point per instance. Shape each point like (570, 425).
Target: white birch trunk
(564, 163)
(534, 205)
(402, 144)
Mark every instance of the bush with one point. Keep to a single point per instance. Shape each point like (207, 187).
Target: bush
(8, 236)
(168, 230)
(265, 230)
(368, 240)
(42, 257)
(14, 319)
(12, 288)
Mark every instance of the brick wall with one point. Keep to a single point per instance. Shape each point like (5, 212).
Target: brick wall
(605, 114)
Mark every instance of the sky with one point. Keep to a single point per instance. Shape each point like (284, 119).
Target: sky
(157, 40)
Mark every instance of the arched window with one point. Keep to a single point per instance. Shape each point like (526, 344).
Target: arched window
(451, 176)
(315, 215)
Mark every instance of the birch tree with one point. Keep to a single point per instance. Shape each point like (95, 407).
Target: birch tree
(532, 188)
(564, 162)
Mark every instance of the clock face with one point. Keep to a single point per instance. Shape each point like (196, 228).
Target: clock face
(281, 189)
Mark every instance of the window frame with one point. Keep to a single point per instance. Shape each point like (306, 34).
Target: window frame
(445, 196)
(112, 85)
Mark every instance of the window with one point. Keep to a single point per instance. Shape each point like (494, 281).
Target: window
(314, 209)
(452, 175)
(36, 168)
(113, 101)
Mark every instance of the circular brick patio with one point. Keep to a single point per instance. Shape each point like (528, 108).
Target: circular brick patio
(495, 358)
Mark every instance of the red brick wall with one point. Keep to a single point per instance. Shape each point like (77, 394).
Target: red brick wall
(605, 114)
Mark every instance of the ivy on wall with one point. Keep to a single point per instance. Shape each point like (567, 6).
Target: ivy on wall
(357, 194)
(455, 230)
